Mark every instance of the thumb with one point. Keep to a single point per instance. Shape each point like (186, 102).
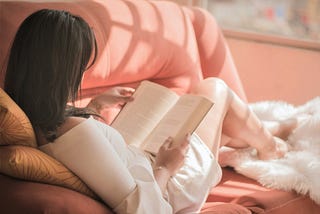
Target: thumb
(186, 142)
(126, 91)
(167, 143)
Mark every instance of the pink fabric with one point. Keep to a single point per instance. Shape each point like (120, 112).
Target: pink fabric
(156, 40)
(140, 40)
(223, 208)
(215, 56)
(238, 189)
(19, 196)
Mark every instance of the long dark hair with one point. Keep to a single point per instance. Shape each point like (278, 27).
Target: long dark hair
(48, 57)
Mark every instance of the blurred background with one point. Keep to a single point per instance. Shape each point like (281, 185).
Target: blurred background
(292, 18)
(299, 19)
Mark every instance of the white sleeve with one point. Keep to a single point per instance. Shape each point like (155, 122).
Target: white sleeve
(86, 151)
(146, 198)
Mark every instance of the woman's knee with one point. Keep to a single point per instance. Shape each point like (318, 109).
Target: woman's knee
(216, 86)
(210, 82)
(216, 83)
(213, 88)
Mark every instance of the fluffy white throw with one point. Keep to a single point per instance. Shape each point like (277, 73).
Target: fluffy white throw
(299, 169)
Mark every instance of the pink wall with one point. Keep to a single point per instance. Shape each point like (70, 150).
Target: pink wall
(274, 72)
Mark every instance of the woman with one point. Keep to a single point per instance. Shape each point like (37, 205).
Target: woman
(49, 55)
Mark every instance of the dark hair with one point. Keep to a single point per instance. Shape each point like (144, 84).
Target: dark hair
(48, 57)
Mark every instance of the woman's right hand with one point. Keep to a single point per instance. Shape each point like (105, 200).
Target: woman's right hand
(172, 157)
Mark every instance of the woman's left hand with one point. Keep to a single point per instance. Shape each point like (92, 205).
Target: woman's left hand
(114, 97)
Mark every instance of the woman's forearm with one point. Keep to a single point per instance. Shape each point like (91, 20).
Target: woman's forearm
(162, 176)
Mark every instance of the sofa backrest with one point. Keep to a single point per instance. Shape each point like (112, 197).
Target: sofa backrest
(137, 39)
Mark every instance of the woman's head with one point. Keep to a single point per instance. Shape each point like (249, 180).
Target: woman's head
(48, 57)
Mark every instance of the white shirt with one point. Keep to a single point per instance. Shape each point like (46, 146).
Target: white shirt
(122, 175)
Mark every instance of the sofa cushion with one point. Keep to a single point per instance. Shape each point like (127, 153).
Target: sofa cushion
(143, 40)
(15, 127)
(33, 165)
(23, 161)
(157, 40)
(224, 208)
(152, 40)
(18, 196)
(237, 189)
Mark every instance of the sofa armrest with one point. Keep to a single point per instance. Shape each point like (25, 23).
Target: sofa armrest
(18, 196)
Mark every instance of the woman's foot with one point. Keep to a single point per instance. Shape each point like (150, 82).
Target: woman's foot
(281, 129)
(275, 150)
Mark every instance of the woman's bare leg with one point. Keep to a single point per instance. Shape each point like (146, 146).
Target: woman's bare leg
(281, 129)
(210, 129)
(232, 116)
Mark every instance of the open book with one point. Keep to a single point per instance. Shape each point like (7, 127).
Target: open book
(157, 113)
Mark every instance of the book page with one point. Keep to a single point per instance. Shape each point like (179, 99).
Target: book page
(138, 118)
(183, 118)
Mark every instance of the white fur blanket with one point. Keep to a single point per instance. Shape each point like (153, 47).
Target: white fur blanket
(299, 169)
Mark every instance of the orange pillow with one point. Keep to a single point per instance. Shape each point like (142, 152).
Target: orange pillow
(19, 156)
(33, 165)
(15, 127)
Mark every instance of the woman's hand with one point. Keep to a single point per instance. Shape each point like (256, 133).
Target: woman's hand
(168, 161)
(172, 158)
(114, 97)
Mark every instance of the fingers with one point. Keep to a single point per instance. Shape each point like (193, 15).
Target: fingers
(172, 156)
(128, 99)
(126, 91)
(167, 143)
(121, 100)
(186, 141)
(183, 146)
(125, 94)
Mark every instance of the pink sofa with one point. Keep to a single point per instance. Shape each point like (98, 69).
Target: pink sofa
(156, 40)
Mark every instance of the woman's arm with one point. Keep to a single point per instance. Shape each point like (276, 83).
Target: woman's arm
(85, 150)
(162, 176)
